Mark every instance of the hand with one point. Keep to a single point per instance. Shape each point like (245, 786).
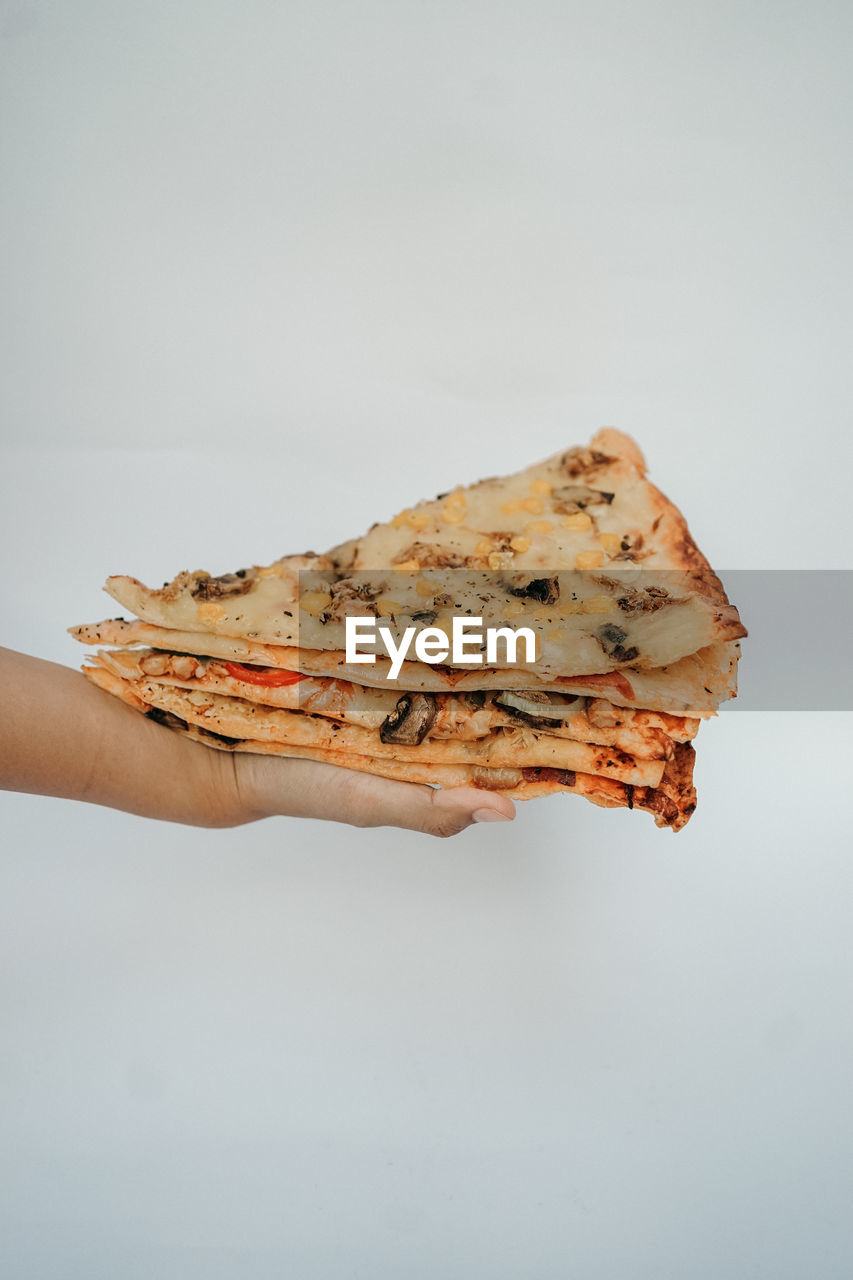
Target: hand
(61, 736)
(310, 789)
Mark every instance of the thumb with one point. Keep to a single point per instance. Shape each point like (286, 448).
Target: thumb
(372, 801)
(447, 812)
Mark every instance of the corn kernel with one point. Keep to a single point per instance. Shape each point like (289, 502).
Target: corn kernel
(209, 612)
(511, 508)
(539, 526)
(542, 487)
(456, 499)
(520, 543)
(500, 560)
(270, 571)
(452, 515)
(577, 520)
(401, 519)
(589, 560)
(597, 604)
(426, 587)
(315, 602)
(417, 519)
(611, 542)
(386, 607)
(533, 505)
(407, 564)
(483, 547)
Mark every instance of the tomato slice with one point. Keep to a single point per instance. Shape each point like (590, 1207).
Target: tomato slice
(263, 675)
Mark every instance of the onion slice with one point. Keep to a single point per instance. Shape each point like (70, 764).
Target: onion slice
(538, 706)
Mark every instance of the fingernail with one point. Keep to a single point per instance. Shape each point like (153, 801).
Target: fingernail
(489, 815)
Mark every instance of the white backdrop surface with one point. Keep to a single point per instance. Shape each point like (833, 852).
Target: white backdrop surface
(271, 272)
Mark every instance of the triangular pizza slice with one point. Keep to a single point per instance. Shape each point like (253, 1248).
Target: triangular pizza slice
(581, 548)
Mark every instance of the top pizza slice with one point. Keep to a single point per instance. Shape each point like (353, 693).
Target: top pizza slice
(581, 548)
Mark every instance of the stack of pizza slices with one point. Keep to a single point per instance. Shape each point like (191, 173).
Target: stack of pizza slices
(634, 644)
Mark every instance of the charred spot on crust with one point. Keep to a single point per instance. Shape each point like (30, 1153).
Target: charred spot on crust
(224, 586)
(545, 590)
(612, 640)
(629, 793)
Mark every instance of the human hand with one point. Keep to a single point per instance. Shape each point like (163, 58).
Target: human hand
(61, 736)
(271, 785)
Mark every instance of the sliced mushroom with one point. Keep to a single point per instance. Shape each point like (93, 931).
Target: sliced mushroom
(570, 498)
(224, 586)
(541, 710)
(578, 462)
(612, 640)
(410, 721)
(544, 590)
(166, 718)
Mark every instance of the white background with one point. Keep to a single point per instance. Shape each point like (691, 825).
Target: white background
(271, 272)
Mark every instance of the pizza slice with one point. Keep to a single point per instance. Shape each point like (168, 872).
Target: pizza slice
(581, 548)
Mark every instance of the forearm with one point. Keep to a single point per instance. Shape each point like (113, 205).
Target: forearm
(60, 736)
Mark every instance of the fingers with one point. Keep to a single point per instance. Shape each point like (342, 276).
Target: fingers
(383, 802)
(312, 789)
